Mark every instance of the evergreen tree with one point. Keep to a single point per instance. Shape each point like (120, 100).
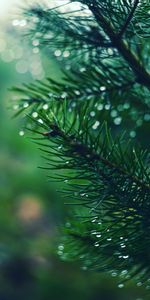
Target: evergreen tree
(88, 125)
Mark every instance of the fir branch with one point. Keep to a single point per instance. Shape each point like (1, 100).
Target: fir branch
(129, 18)
(110, 182)
(141, 74)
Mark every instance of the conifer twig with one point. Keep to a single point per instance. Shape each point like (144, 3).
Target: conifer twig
(141, 74)
(129, 18)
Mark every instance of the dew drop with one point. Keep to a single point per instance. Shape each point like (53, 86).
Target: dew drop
(122, 245)
(109, 239)
(114, 113)
(139, 284)
(102, 88)
(45, 106)
(57, 53)
(117, 121)
(60, 147)
(15, 22)
(120, 286)
(66, 180)
(77, 92)
(98, 235)
(15, 107)
(84, 268)
(132, 134)
(26, 104)
(82, 70)
(126, 105)
(40, 121)
(66, 53)
(34, 114)
(21, 133)
(92, 113)
(147, 117)
(107, 106)
(61, 247)
(100, 107)
(148, 287)
(35, 43)
(96, 125)
(68, 225)
(124, 272)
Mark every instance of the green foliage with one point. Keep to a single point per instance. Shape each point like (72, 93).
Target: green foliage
(103, 51)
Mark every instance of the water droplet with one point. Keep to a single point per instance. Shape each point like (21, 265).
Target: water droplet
(77, 92)
(94, 232)
(68, 225)
(98, 235)
(125, 256)
(117, 121)
(35, 43)
(120, 286)
(114, 274)
(139, 283)
(102, 88)
(23, 23)
(147, 117)
(61, 247)
(60, 147)
(40, 121)
(122, 245)
(96, 244)
(26, 104)
(114, 113)
(34, 114)
(66, 180)
(148, 287)
(107, 106)
(132, 134)
(59, 252)
(110, 51)
(82, 70)
(63, 95)
(15, 107)
(92, 113)
(15, 22)
(126, 105)
(109, 239)
(45, 106)
(21, 133)
(96, 125)
(84, 268)
(93, 221)
(35, 50)
(124, 272)
(57, 53)
(100, 107)
(66, 53)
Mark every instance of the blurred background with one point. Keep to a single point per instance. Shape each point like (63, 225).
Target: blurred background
(29, 211)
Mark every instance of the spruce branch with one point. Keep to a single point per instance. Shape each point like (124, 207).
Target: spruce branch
(112, 184)
(104, 78)
(93, 33)
(129, 18)
(141, 74)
